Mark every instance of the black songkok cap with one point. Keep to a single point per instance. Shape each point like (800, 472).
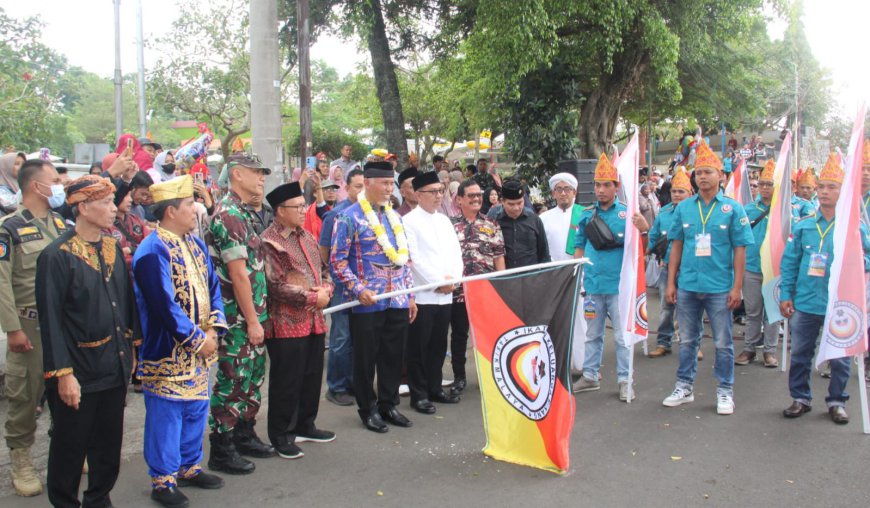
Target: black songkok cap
(424, 179)
(512, 190)
(411, 172)
(282, 193)
(379, 169)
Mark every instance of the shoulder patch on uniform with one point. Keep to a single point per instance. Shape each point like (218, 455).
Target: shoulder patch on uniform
(726, 208)
(744, 221)
(5, 248)
(621, 214)
(59, 223)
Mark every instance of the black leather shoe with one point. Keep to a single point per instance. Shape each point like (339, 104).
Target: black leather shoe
(838, 415)
(423, 406)
(393, 416)
(202, 481)
(796, 409)
(458, 386)
(224, 456)
(445, 398)
(171, 497)
(248, 443)
(373, 421)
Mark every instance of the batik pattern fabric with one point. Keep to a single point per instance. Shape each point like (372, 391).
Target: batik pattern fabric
(179, 299)
(358, 261)
(293, 268)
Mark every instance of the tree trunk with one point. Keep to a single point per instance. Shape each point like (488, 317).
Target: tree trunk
(600, 113)
(385, 81)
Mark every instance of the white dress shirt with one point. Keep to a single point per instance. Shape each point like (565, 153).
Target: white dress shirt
(435, 253)
(557, 224)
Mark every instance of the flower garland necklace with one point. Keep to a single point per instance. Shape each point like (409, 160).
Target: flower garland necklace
(397, 257)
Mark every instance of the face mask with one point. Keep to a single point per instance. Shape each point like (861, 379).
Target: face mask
(58, 196)
(169, 168)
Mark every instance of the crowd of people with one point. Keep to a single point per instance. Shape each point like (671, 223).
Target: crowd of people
(143, 274)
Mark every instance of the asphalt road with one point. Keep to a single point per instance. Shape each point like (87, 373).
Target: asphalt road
(642, 454)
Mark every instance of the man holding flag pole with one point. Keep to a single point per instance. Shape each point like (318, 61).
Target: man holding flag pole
(601, 237)
(823, 284)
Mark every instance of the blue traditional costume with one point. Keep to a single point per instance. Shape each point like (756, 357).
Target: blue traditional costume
(179, 300)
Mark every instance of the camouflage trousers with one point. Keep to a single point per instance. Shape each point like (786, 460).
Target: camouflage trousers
(241, 371)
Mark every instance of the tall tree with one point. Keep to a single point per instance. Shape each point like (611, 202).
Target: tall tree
(203, 68)
(615, 51)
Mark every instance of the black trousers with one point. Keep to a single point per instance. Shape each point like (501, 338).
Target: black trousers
(458, 338)
(378, 346)
(427, 344)
(295, 377)
(93, 431)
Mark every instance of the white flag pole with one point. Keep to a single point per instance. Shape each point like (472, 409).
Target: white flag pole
(862, 391)
(784, 362)
(485, 276)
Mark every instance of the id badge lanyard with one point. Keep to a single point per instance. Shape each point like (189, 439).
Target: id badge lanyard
(703, 218)
(824, 234)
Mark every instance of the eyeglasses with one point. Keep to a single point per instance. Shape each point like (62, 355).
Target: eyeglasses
(474, 195)
(754, 186)
(563, 190)
(299, 208)
(434, 191)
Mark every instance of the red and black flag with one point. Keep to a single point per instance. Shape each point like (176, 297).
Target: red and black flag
(522, 327)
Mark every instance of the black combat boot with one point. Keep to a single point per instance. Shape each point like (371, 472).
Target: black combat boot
(224, 456)
(247, 442)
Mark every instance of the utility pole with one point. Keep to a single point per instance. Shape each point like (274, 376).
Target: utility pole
(119, 91)
(140, 61)
(266, 89)
(303, 41)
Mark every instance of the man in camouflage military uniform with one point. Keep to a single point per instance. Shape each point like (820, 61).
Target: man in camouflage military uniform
(23, 236)
(234, 246)
(483, 251)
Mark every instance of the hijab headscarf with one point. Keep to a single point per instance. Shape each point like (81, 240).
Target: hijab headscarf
(140, 156)
(448, 204)
(7, 162)
(341, 182)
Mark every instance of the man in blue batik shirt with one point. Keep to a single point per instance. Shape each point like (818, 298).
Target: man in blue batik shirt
(369, 257)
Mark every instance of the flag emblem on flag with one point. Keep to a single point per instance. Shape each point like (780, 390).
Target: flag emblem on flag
(522, 328)
(846, 327)
(524, 369)
(640, 314)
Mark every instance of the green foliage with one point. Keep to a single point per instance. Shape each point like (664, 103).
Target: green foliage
(30, 100)
(203, 73)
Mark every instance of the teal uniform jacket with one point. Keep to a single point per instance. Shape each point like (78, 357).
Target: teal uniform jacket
(801, 208)
(755, 210)
(808, 293)
(602, 277)
(728, 228)
(661, 226)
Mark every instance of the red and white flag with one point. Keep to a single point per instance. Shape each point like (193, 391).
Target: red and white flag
(845, 330)
(632, 281)
(738, 185)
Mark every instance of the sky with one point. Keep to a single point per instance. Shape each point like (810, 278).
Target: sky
(836, 30)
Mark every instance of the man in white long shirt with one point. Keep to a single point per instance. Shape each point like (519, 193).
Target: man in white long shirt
(560, 226)
(435, 256)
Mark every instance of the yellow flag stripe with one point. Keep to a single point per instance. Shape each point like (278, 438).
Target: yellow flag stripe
(510, 436)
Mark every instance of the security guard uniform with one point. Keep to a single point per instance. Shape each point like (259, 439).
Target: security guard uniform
(22, 239)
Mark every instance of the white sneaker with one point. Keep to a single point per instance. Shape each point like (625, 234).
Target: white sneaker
(725, 404)
(679, 397)
(404, 390)
(623, 391)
